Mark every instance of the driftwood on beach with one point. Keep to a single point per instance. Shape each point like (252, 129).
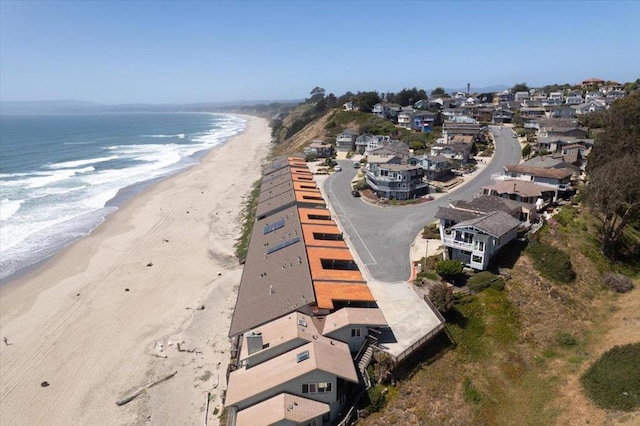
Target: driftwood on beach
(138, 392)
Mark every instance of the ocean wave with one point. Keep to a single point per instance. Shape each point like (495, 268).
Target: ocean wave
(79, 143)
(179, 136)
(33, 220)
(57, 176)
(79, 163)
(9, 207)
(47, 192)
(59, 196)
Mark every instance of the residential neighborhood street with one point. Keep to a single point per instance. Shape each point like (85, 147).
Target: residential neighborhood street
(382, 236)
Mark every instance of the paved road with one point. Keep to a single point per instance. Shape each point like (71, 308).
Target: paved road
(382, 236)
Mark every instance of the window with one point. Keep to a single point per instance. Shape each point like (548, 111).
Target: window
(324, 387)
(321, 387)
(356, 332)
(339, 264)
(302, 356)
(319, 217)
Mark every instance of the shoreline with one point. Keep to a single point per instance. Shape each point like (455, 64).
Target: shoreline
(98, 217)
(95, 321)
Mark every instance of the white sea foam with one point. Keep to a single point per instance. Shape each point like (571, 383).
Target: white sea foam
(57, 176)
(79, 163)
(67, 200)
(179, 136)
(9, 207)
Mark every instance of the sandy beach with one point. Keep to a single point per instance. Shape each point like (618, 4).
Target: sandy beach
(105, 316)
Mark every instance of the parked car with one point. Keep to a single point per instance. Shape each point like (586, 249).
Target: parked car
(355, 193)
(356, 164)
(337, 169)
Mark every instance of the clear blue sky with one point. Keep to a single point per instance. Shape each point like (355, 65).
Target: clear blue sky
(181, 52)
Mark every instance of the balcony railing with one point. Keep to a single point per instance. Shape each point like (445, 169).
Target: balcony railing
(457, 243)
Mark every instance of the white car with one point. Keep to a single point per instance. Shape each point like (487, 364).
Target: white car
(337, 168)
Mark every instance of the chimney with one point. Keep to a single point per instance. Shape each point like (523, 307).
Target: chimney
(254, 342)
(514, 188)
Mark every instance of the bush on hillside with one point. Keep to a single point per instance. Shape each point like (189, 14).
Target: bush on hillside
(441, 295)
(613, 382)
(485, 279)
(383, 367)
(449, 269)
(551, 262)
(618, 282)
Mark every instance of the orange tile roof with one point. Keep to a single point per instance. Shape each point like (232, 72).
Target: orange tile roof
(310, 240)
(328, 292)
(305, 186)
(302, 178)
(309, 197)
(305, 214)
(317, 254)
(300, 171)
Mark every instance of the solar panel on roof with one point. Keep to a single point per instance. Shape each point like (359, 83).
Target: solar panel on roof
(283, 245)
(277, 225)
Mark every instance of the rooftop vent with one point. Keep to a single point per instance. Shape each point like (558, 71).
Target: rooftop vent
(302, 323)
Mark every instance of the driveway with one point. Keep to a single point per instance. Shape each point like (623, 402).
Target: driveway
(382, 236)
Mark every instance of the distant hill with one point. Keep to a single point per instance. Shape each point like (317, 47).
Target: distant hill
(78, 107)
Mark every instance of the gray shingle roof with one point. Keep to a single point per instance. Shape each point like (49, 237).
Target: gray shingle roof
(495, 223)
(455, 214)
(274, 281)
(490, 203)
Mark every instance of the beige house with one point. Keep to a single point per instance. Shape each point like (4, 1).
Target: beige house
(352, 325)
(284, 410)
(320, 370)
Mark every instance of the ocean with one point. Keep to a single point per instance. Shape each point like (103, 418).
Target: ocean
(60, 175)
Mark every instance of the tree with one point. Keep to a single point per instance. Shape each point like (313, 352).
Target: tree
(366, 100)
(614, 175)
(317, 94)
(526, 151)
(520, 87)
(438, 91)
(441, 295)
(332, 101)
(410, 96)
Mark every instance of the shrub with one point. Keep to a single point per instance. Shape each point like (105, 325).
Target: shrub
(551, 262)
(376, 396)
(441, 295)
(430, 275)
(383, 367)
(498, 284)
(432, 261)
(431, 232)
(361, 185)
(449, 269)
(618, 282)
(526, 151)
(613, 381)
(566, 339)
(483, 280)
(310, 157)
